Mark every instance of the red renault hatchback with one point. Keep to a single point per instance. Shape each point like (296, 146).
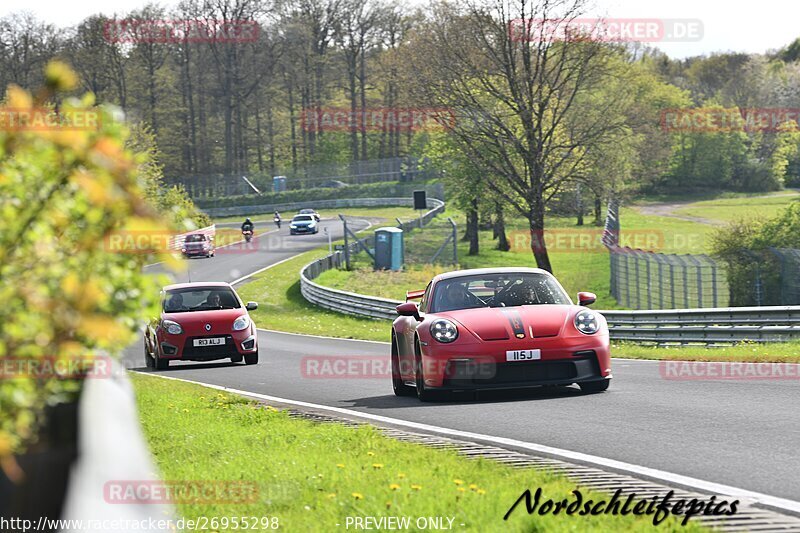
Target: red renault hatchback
(201, 322)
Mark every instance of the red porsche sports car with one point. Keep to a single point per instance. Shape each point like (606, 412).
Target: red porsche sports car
(201, 322)
(497, 328)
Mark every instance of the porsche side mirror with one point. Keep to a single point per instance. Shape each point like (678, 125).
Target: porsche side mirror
(251, 306)
(586, 298)
(408, 309)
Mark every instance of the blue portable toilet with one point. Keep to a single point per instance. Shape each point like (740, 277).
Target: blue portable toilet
(388, 248)
(278, 183)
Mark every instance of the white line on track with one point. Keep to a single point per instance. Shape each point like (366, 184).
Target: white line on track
(669, 478)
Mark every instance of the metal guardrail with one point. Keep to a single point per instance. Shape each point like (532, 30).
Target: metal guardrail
(720, 326)
(724, 325)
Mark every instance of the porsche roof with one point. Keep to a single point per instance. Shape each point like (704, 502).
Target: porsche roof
(482, 271)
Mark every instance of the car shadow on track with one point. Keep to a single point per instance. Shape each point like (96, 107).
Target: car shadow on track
(390, 401)
(190, 366)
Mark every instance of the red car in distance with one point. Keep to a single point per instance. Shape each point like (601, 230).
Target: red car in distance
(198, 245)
(497, 328)
(201, 322)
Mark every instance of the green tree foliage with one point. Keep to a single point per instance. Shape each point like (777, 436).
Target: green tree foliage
(67, 294)
(754, 272)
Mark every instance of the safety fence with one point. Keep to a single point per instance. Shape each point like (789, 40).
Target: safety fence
(323, 175)
(649, 280)
(642, 279)
(352, 303)
(426, 240)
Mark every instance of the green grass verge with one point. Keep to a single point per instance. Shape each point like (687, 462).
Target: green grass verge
(282, 307)
(788, 352)
(312, 476)
(730, 209)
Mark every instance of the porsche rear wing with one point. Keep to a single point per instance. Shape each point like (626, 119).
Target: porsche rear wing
(414, 295)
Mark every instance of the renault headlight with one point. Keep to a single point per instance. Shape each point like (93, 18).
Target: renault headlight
(444, 331)
(173, 328)
(586, 322)
(241, 323)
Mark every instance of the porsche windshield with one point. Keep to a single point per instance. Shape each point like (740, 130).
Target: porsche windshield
(497, 290)
(199, 299)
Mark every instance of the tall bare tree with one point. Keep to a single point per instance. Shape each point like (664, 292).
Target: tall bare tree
(532, 89)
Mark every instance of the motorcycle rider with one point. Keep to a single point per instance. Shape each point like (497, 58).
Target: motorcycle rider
(277, 219)
(248, 229)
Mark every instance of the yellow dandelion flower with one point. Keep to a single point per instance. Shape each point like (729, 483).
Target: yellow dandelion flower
(416, 487)
(401, 475)
(394, 486)
(358, 496)
(458, 482)
(461, 489)
(481, 491)
(339, 465)
(377, 466)
(370, 453)
(473, 486)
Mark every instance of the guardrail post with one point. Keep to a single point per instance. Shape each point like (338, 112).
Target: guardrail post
(346, 246)
(455, 241)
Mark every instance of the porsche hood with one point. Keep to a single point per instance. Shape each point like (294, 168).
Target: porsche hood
(502, 323)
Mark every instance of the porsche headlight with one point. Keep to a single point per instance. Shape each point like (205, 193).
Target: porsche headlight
(173, 328)
(586, 322)
(444, 330)
(241, 323)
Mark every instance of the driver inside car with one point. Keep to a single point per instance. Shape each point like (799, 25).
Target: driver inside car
(175, 303)
(456, 297)
(213, 300)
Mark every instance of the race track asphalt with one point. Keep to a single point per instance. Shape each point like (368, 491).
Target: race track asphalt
(744, 433)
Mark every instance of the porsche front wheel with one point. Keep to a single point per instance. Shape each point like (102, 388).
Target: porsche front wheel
(424, 394)
(399, 387)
